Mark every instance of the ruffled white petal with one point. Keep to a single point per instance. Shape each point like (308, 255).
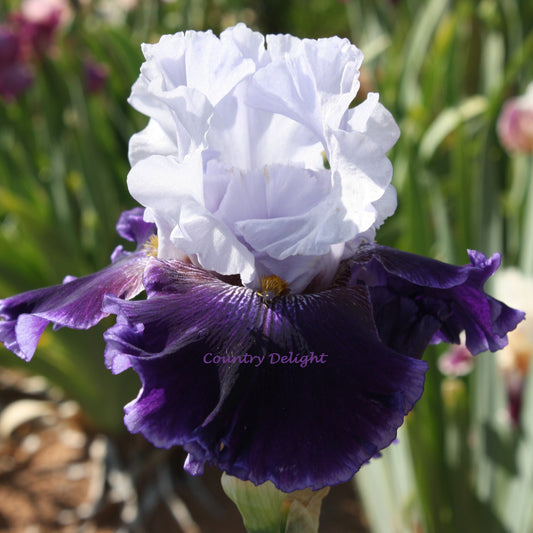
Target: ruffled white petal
(152, 138)
(375, 121)
(249, 138)
(184, 76)
(284, 211)
(212, 244)
(301, 271)
(172, 192)
(162, 184)
(198, 60)
(253, 163)
(312, 82)
(250, 43)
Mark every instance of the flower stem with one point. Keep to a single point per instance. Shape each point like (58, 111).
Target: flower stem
(265, 509)
(527, 240)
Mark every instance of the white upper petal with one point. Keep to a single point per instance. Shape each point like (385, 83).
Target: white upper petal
(145, 143)
(173, 193)
(161, 184)
(249, 138)
(250, 43)
(211, 242)
(310, 81)
(309, 233)
(299, 271)
(375, 121)
(231, 165)
(185, 75)
(198, 60)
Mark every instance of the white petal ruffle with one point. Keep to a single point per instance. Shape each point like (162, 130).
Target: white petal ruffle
(253, 162)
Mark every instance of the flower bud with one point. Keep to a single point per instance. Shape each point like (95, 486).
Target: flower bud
(515, 124)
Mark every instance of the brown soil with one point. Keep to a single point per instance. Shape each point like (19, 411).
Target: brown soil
(56, 476)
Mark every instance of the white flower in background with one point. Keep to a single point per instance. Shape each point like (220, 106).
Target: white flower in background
(113, 11)
(517, 289)
(514, 359)
(253, 163)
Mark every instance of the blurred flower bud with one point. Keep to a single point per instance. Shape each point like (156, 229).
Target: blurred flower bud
(42, 11)
(515, 124)
(96, 75)
(36, 23)
(457, 361)
(15, 77)
(9, 46)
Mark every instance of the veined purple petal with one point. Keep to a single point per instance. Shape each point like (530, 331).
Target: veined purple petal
(310, 422)
(77, 303)
(22, 334)
(436, 301)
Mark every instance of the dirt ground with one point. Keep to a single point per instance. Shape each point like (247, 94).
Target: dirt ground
(56, 476)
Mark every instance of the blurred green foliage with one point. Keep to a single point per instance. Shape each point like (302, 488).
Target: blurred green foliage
(444, 69)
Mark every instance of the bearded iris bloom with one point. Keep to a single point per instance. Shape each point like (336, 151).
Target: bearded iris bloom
(265, 190)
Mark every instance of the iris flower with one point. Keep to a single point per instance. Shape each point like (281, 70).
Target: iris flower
(275, 338)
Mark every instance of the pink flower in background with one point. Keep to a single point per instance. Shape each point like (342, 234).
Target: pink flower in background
(28, 34)
(36, 23)
(41, 11)
(515, 124)
(457, 361)
(35, 37)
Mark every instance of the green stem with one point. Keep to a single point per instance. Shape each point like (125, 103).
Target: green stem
(266, 509)
(527, 238)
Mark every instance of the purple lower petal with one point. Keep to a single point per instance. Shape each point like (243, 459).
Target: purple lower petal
(21, 336)
(436, 301)
(76, 304)
(295, 424)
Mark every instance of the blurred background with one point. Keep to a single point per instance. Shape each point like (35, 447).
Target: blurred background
(454, 73)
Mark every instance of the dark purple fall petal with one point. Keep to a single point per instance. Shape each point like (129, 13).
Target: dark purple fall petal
(296, 426)
(436, 301)
(77, 303)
